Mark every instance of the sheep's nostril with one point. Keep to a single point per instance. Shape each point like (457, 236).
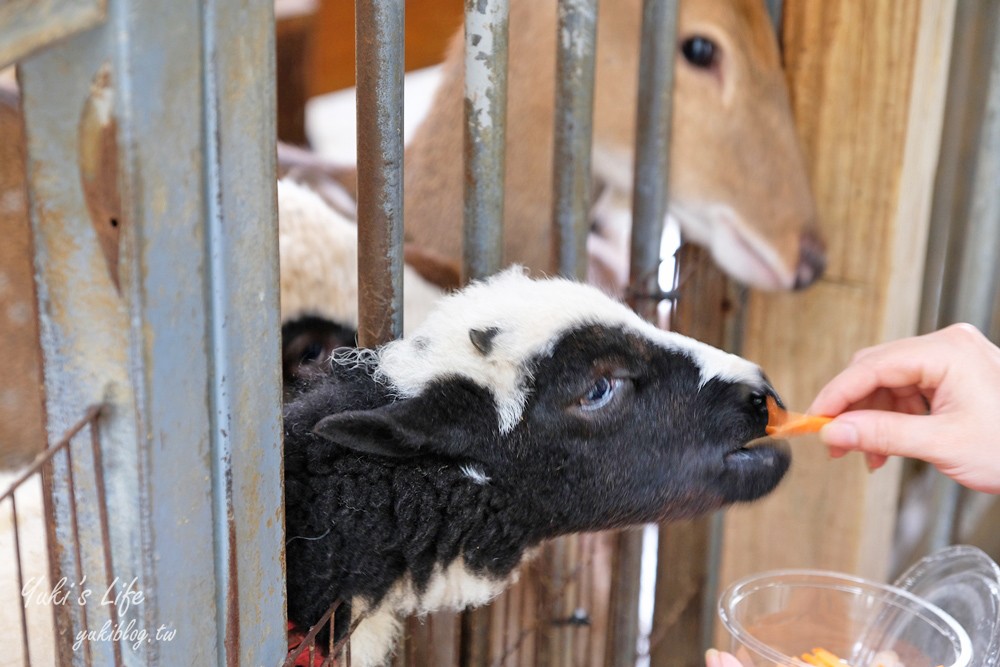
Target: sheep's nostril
(758, 405)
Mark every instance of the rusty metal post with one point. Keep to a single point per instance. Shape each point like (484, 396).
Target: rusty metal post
(379, 62)
(652, 151)
(776, 9)
(649, 209)
(576, 43)
(574, 123)
(31, 26)
(485, 134)
(156, 253)
(486, 27)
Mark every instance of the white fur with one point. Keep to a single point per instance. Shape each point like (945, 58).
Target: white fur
(475, 474)
(373, 639)
(319, 263)
(531, 315)
(453, 588)
(734, 244)
(35, 573)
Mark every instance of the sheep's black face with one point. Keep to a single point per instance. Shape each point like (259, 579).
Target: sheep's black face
(619, 429)
(306, 346)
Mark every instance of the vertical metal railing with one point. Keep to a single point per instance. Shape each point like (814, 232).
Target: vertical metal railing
(379, 62)
(42, 595)
(486, 27)
(569, 558)
(963, 255)
(649, 210)
(574, 129)
(156, 256)
(652, 151)
(492, 638)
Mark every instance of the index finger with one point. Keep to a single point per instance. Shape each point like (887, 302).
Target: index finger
(912, 362)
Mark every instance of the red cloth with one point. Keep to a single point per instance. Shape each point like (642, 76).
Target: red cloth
(295, 638)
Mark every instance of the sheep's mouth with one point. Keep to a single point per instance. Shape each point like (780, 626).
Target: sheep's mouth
(754, 468)
(760, 450)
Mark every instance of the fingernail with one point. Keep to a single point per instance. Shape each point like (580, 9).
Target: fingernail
(839, 434)
(712, 658)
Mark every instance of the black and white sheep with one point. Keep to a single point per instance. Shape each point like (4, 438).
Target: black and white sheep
(419, 475)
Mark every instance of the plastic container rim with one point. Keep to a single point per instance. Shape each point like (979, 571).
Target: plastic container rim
(836, 581)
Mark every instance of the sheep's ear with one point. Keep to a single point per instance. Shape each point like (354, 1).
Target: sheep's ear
(452, 419)
(371, 432)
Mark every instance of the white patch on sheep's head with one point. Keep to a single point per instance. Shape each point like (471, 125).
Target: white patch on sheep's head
(490, 332)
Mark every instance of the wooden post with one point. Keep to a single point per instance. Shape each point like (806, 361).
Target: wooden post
(868, 84)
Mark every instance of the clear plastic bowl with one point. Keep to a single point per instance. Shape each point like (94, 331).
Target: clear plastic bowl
(774, 617)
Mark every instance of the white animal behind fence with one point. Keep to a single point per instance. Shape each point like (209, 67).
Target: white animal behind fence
(34, 560)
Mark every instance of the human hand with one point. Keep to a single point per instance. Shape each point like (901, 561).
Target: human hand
(715, 658)
(934, 397)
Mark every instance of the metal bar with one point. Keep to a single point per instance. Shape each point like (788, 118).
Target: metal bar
(484, 152)
(776, 9)
(77, 545)
(652, 150)
(43, 457)
(978, 268)
(713, 567)
(20, 581)
(379, 62)
(170, 285)
(972, 280)
(309, 641)
(485, 134)
(576, 39)
(649, 210)
(954, 178)
(29, 25)
(102, 510)
(245, 418)
(574, 123)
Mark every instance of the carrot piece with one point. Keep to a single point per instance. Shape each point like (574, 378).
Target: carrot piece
(799, 425)
(776, 416)
(828, 658)
(822, 658)
(783, 424)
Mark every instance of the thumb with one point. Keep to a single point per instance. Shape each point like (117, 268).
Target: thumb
(882, 433)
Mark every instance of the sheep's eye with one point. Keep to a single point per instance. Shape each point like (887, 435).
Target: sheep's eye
(312, 352)
(700, 51)
(600, 394)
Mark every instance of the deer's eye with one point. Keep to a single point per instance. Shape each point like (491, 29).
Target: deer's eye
(700, 51)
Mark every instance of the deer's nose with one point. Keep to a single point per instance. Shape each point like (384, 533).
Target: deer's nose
(812, 260)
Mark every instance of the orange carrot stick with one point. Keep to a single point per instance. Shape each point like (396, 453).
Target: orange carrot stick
(784, 424)
(822, 658)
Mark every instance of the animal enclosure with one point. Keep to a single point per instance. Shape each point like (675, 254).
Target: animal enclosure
(155, 252)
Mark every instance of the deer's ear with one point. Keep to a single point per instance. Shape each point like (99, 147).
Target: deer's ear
(452, 419)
